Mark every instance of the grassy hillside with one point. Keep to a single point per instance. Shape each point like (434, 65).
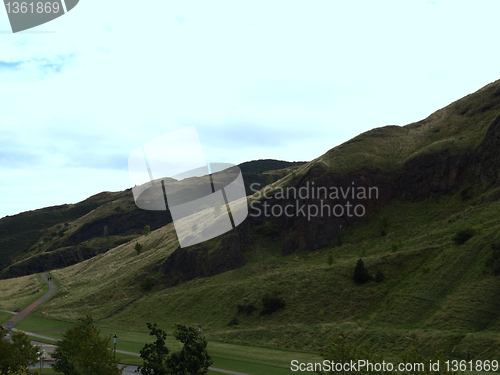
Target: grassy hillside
(54, 237)
(459, 127)
(435, 292)
(432, 238)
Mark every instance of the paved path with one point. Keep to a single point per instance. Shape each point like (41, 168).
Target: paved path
(52, 289)
(9, 312)
(128, 369)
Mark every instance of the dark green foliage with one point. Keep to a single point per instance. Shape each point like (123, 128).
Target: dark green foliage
(383, 233)
(18, 354)
(83, 351)
(154, 355)
(379, 276)
(361, 274)
(146, 230)
(233, 322)
(192, 359)
(147, 284)
(330, 259)
(138, 248)
(271, 303)
(463, 235)
(246, 309)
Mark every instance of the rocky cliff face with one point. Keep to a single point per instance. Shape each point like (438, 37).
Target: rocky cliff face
(48, 261)
(444, 171)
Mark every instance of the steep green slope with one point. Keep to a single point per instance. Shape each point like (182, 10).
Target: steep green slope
(432, 233)
(435, 292)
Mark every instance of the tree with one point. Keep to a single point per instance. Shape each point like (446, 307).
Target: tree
(83, 352)
(192, 359)
(271, 303)
(138, 248)
(146, 230)
(361, 274)
(330, 259)
(155, 354)
(16, 354)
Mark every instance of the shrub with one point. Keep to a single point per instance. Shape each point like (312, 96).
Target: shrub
(271, 303)
(379, 277)
(233, 322)
(147, 284)
(138, 247)
(246, 309)
(83, 351)
(146, 230)
(330, 259)
(463, 235)
(361, 274)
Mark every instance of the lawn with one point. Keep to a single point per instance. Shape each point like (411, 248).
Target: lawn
(4, 317)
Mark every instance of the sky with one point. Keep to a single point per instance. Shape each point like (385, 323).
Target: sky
(285, 80)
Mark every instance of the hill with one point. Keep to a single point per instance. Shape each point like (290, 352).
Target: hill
(427, 233)
(59, 236)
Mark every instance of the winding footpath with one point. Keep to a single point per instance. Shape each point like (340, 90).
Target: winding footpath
(52, 289)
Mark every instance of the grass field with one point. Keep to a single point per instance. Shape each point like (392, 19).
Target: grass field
(4, 317)
(20, 292)
(436, 293)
